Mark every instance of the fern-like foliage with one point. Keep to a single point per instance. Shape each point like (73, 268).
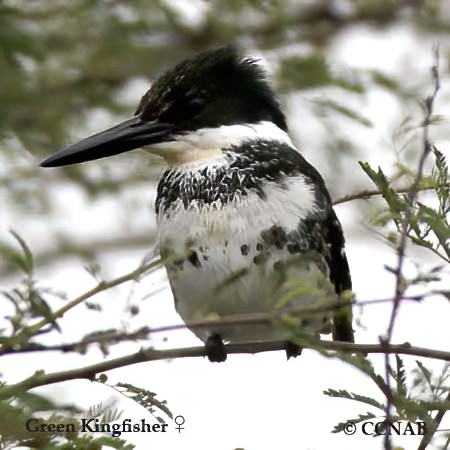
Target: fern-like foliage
(342, 393)
(430, 386)
(28, 298)
(15, 414)
(106, 412)
(145, 398)
(361, 418)
(426, 395)
(399, 376)
(428, 225)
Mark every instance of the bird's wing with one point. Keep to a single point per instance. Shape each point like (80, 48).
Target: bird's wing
(339, 276)
(334, 242)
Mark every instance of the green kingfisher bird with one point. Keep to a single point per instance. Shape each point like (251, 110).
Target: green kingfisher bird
(245, 223)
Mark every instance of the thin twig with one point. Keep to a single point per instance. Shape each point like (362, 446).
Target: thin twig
(86, 250)
(412, 196)
(114, 336)
(102, 337)
(364, 195)
(31, 330)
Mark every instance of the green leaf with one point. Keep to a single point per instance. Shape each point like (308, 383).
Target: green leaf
(143, 397)
(441, 165)
(425, 372)
(106, 412)
(93, 306)
(312, 71)
(384, 81)
(397, 203)
(421, 242)
(113, 442)
(342, 393)
(437, 224)
(346, 111)
(94, 269)
(400, 376)
(361, 418)
(35, 402)
(24, 259)
(305, 72)
(26, 251)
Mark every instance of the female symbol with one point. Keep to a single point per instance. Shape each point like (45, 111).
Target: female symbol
(181, 422)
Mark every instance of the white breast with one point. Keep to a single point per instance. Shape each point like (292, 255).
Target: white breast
(245, 216)
(210, 258)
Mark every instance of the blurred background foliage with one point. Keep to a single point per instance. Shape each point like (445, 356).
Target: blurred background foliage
(68, 69)
(72, 68)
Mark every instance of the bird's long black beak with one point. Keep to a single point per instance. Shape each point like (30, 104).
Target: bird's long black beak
(129, 135)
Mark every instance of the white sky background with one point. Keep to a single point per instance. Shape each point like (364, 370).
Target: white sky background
(262, 401)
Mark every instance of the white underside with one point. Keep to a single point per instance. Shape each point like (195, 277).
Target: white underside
(203, 293)
(217, 232)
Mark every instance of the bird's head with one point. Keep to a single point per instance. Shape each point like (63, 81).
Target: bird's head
(206, 103)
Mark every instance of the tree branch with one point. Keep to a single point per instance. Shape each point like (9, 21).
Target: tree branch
(145, 355)
(365, 195)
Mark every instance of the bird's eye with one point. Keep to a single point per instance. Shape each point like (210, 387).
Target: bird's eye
(184, 109)
(194, 106)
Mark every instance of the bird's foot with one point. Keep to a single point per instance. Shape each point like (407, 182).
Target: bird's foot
(215, 350)
(292, 350)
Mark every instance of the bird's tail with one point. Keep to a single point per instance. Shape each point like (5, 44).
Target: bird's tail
(342, 320)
